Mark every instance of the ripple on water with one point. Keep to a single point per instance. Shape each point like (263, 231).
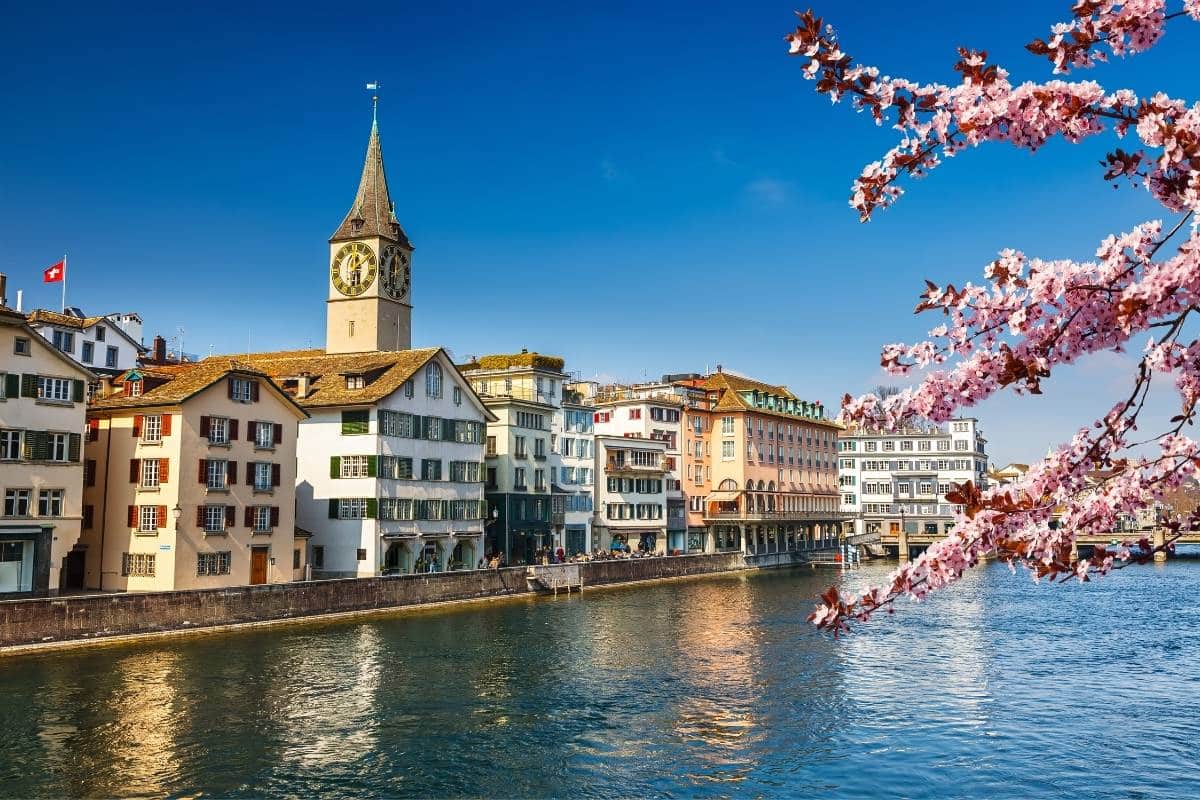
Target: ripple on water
(717, 687)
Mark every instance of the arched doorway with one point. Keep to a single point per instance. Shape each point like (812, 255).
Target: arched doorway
(464, 556)
(397, 560)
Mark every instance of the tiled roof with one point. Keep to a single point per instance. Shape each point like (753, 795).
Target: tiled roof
(733, 401)
(8, 313)
(372, 213)
(19, 319)
(724, 380)
(183, 381)
(47, 317)
(385, 372)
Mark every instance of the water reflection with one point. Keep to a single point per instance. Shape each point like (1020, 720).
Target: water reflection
(712, 687)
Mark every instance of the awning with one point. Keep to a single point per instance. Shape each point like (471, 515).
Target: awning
(722, 497)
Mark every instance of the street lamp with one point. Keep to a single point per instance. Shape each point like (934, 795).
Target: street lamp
(176, 512)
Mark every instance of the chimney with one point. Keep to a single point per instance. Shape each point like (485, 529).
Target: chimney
(3, 286)
(718, 367)
(20, 294)
(303, 384)
(160, 350)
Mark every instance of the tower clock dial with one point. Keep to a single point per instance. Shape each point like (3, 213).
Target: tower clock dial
(353, 270)
(395, 274)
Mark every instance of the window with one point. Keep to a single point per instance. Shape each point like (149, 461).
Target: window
(727, 426)
(218, 430)
(635, 413)
(519, 450)
(241, 390)
(433, 429)
(59, 447)
(356, 423)
(64, 341)
(147, 519)
(433, 380)
(21, 346)
(110, 357)
(539, 448)
(408, 388)
(457, 396)
(539, 479)
(16, 502)
(263, 472)
(889, 445)
(362, 554)
(213, 563)
(519, 478)
(727, 449)
(133, 387)
(394, 508)
(318, 557)
(100, 332)
(264, 435)
(88, 352)
(10, 445)
(354, 466)
(152, 428)
(137, 565)
(214, 519)
(352, 508)
(53, 389)
(151, 475)
(961, 444)
(217, 474)
(50, 503)
(356, 382)
(602, 416)
(431, 469)
(296, 558)
(262, 519)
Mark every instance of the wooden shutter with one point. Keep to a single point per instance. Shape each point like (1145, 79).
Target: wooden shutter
(89, 472)
(12, 385)
(231, 473)
(93, 429)
(132, 518)
(166, 424)
(77, 391)
(249, 515)
(135, 469)
(277, 437)
(372, 507)
(274, 516)
(164, 470)
(230, 516)
(200, 517)
(275, 474)
(233, 429)
(203, 471)
(253, 391)
(43, 445)
(161, 517)
(88, 516)
(372, 465)
(229, 386)
(137, 426)
(249, 473)
(29, 385)
(335, 466)
(74, 447)
(333, 508)
(251, 427)
(205, 427)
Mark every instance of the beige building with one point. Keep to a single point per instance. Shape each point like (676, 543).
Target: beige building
(190, 475)
(42, 413)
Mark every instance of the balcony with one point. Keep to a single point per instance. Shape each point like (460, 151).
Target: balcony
(774, 516)
(615, 465)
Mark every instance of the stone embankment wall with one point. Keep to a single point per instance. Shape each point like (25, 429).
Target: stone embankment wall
(96, 616)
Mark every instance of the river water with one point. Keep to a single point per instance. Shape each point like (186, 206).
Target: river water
(998, 688)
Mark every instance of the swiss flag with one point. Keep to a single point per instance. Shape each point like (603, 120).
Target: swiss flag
(55, 272)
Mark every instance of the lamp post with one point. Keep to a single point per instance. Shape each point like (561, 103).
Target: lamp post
(902, 540)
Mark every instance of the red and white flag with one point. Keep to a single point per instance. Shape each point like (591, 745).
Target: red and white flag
(55, 272)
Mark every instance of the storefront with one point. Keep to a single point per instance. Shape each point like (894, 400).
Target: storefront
(25, 559)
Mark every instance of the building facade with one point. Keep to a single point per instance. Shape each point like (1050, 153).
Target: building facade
(631, 494)
(101, 344)
(897, 482)
(523, 391)
(768, 467)
(42, 412)
(190, 480)
(576, 482)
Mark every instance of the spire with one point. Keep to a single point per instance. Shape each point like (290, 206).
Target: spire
(372, 213)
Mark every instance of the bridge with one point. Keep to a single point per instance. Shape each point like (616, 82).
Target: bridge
(902, 543)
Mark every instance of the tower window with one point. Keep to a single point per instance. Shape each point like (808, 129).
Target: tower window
(433, 380)
(351, 327)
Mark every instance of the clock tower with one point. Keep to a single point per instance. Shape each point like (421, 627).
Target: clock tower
(370, 305)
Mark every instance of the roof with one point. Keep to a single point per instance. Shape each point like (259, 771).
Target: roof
(44, 316)
(183, 381)
(725, 380)
(510, 360)
(372, 213)
(16, 318)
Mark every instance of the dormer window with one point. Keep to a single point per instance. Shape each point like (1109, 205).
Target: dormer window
(356, 382)
(133, 387)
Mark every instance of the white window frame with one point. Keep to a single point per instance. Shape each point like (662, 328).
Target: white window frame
(214, 519)
(147, 519)
(262, 476)
(152, 428)
(241, 391)
(262, 519)
(50, 502)
(10, 445)
(151, 474)
(264, 435)
(57, 390)
(216, 424)
(217, 474)
(354, 466)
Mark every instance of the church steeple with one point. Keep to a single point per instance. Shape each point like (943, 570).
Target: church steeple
(372, 213)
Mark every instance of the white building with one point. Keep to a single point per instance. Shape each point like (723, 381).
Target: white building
(631, 496)
(574, 439)
(651, 411)
(898, 481)
(42, 418)
(99, 343)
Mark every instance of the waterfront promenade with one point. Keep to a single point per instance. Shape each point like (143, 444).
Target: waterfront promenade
(714, 687)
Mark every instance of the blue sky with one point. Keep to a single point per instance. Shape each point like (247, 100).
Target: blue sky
(638, 187)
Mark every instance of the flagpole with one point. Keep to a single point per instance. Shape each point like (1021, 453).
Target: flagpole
(64, 284)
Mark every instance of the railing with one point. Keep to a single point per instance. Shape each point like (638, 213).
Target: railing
(516, 393)
(799, 516)
(615, 465)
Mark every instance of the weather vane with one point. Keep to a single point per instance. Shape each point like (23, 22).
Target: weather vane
(374, 89)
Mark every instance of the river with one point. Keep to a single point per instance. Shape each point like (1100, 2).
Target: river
(998, 688)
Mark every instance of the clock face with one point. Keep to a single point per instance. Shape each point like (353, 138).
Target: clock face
(395, 275)
(353, 270)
